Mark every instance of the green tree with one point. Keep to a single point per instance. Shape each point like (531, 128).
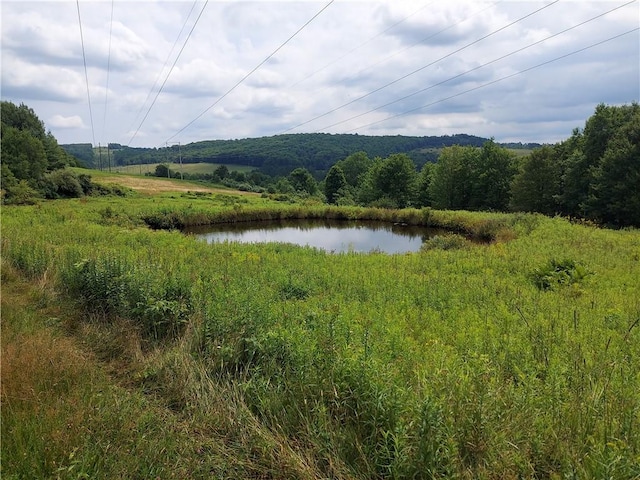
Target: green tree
(303, 181)
(334, 184)
(614, 195)
(283, 185)
(584, 191)
(25, 120)
(450, 186)
(23, 154)
(599, 130)
(57, 157)
(536, 186)
(367, 191)
(162, 170)
(492, 177)
(575, 178)
(28, 153)
(22, 118)
(221, 172)
(425, 178)
(396, 180)
(355, 168)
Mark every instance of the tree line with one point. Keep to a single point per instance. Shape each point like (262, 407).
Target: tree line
(594, 174)
(279, 155)
(34, 166)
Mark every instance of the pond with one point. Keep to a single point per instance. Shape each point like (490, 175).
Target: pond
(332, 236)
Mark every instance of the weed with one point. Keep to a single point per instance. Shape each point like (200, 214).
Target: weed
(451, 241)
(268, 361)
(557, 273)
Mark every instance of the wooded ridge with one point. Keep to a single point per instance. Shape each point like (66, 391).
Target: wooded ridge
(279, 155)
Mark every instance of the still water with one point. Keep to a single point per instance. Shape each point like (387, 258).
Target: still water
(330, 236)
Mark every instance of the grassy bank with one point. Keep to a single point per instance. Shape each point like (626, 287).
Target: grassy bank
(511, 359)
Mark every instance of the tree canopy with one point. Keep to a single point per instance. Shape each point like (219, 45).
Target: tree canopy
(594, 174)
(279, 155)
(31, 158)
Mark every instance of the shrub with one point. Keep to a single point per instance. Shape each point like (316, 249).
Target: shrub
(164, 220)
(450, 241)
(20, 193)
(558, 272)
(62, 184)
(112, 288)
(294, 290)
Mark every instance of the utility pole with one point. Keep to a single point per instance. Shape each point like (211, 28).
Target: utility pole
(166, 146)
(179, 156)
(99, 156)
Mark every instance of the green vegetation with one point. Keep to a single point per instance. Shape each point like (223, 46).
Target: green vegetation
(279, 155)
(34, 166)
(594, 174)
(132, 350)
(187, 168)
(517, 358)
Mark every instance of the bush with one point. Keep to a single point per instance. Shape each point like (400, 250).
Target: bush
(558, 272)
(450, 241)
(62, 184)
(164, 221)
(112, 288)
(20, 193)
(294, 290)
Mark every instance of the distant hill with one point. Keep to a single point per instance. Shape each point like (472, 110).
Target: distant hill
(280, 154)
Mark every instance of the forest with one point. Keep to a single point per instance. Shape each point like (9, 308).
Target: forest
(279, 155)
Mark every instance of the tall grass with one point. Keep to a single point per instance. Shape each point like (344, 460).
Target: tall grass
(450, 362)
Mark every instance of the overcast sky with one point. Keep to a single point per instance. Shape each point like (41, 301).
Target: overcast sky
(377, 68)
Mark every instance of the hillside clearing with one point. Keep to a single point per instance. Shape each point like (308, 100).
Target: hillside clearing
(155, 185)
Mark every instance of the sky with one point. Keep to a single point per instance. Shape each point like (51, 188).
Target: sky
(155, 73)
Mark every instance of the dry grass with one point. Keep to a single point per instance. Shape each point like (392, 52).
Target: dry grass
(72, 404)
(151, 185)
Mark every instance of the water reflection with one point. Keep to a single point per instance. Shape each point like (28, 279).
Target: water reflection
(328, 235)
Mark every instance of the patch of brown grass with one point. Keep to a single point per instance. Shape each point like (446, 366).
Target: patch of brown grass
(37, 364)
(151, 185)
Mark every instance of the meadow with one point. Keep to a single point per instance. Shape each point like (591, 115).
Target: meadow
(200, 168)
(132, 350)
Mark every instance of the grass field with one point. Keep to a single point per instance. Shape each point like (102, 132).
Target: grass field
(153, 185)
(160, 356)
(185, 168)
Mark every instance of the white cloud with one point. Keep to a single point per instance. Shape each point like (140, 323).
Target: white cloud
(40, 82)
(355, 57)
(59, 121)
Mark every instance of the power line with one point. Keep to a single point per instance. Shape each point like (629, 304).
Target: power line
(171, 70)
(362, 44)
(479, 66)
(497, 80)
(421, 68)
(86, 75)
(250, 73)
(106, 90)
(421, 41)
(418, 42)
(186, 20)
